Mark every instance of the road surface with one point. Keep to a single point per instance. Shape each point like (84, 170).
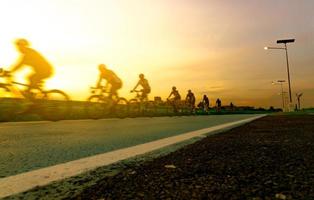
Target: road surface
(26, 146)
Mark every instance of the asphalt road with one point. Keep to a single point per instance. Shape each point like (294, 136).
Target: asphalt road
(25, 146)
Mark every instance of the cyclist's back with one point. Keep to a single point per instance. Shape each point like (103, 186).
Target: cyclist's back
(144, 83)
(35, 60)
(110, 77)
(175, 94)
(190, 98)
(218, 102)
(205, 100)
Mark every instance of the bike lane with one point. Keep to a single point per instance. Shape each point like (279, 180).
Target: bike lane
(27, 146)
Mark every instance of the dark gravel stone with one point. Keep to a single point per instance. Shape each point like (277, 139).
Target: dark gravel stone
(270, 158)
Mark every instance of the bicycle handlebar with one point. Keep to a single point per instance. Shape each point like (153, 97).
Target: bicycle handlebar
(95, 88)
(135, 91)
(103, 90)
(4, 73)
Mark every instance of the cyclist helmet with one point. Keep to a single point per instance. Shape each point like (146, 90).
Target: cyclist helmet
(141, 76)
(22, 42)
(174, 88)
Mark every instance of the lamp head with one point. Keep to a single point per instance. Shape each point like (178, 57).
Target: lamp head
(285, 41)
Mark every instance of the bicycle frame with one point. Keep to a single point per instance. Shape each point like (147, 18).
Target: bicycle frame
(104, 92)
(9, 84)
(138, 96)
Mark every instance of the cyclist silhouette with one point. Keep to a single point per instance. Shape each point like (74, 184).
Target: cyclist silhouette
(112, 80)
(205, 102)
(175, 94)
(42, 69)
(190, 98)
(145, 86)
(176, 98)
(218, 104)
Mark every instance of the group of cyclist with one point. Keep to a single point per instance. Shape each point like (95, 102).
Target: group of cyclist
(42, 70)
(190, 100)
(113, 83)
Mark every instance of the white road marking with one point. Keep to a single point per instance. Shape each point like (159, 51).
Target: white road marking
(28, 180)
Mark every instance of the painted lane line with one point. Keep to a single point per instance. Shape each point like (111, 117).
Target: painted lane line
(28, 180)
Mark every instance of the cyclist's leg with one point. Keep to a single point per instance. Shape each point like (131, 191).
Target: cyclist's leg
(144, 96)
(32, 79)
(36, 79)
(114, 90)
(147, 91)
(193, 104)
(176, 104)
(111, 90)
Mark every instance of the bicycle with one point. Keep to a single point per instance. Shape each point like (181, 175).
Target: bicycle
(189, 107)
(100, 105)
(179, 107)
(49, 104)
(140, 105)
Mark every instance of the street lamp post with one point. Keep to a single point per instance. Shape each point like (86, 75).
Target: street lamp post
(287, 59)
(282, 92)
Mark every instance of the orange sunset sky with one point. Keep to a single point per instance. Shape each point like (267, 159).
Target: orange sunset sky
(213, 47)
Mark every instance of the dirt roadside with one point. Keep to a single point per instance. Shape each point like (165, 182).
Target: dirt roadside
(269, 158)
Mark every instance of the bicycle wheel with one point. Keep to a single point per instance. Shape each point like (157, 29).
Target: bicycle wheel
(181, 108)
(7, 104)
(97, 107)
(134, 107)
(184, 108)
(121, 108)
(54, 105)
(172, 107)
(149, 108)
(169, 108)
(191, 109)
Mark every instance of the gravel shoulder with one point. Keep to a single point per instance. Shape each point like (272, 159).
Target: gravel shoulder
(268, 158)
